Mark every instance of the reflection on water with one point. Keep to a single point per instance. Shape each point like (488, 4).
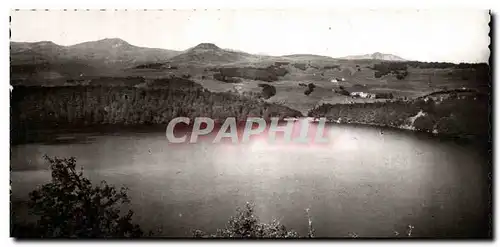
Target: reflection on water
(365, 182)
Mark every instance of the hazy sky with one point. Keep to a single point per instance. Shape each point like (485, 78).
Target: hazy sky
(425, 35)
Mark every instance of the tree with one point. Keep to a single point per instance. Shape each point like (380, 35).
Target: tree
(400, 75)
(70, 206)
(310, 88)
(245, 224)
(268, 91)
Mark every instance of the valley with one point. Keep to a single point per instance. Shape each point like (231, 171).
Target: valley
(302, 82)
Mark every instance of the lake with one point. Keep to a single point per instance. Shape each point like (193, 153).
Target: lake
(365, 182)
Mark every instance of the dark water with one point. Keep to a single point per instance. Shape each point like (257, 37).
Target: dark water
(364, 182)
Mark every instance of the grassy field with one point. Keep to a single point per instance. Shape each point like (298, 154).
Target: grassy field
(358, 77)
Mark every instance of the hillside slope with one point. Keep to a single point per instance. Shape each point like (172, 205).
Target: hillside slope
(208, 54)
(103, 57)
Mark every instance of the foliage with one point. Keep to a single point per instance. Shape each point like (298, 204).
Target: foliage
(310, 88)
(71, 207)
(35, 108)
(245, 224)
(268, 91)
(460, 115)
(281, 63)
(341, 90)
(268, 74)
(378, 74)
(385, 68)
(150, 66)
(173, 82)
(225, 78)
(438, 65)
(277, 70)
(385, 95)
(463, 71)
(400, 75)
(331, 67)
(301, 66)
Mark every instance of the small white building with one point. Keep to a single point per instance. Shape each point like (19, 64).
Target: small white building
(363, 95)
(359, 94)
(334, 80)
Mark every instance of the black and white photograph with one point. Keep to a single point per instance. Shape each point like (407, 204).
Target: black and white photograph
(251, 123)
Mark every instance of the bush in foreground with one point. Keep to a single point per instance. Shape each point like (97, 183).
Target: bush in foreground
(71, 207)
(245, 224)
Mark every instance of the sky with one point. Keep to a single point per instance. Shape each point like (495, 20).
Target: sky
(441, 35)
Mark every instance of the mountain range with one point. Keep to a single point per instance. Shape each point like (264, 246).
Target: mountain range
(106, 51)
(112, 55)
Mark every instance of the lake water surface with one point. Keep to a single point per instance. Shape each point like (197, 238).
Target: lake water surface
(364, 182)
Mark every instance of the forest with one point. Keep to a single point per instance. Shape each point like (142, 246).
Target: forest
(269, 74)
(35, 108)
(454, 115)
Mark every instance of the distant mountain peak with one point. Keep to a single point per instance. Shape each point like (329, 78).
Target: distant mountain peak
(376, 56)
(113, 41)
(107, 43)
(44, 43)
(206, 46)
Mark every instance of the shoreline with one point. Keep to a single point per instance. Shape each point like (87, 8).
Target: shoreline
(79, 133)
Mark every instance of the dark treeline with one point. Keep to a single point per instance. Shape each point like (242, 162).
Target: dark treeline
(301, 66)
(281, 63)
(451, 115)
(464, 71)
(268, 74)
(331, 67)
(64, 68)
(399, 68)
(228, 79)
(434, 65)
(385, 68)
(35, 108)
(151, 66)
(173, 82)
(438, 65)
